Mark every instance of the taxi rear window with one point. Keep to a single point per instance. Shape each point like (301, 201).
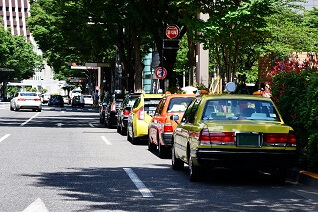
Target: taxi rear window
(179, 104)
(150, 105)
(237, 109)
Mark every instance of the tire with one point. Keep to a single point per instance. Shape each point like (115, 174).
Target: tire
(123, 130)
(39, 110)
(151, 146)
(279, 175)
(134, 140)
(176, 163)
(118, 129)
(11, 108)
(162, 151)
(128, 137)
(194, 171)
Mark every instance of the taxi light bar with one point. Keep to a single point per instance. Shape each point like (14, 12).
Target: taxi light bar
(21, 99)
(167, 127)
(141, 114)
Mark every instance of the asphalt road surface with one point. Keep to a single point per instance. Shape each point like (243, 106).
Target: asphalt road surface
(64, 160)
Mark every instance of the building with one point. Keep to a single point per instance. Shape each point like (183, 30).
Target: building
(13, 14)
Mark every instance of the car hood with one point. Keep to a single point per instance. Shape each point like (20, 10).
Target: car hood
(247, 126)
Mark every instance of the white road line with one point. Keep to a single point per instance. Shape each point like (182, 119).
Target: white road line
(30, 119)
(37, 206)
(4, 137)
(106, 140)
(138, 183)
(90, 124)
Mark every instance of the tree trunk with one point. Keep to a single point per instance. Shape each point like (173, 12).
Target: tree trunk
(137, 59)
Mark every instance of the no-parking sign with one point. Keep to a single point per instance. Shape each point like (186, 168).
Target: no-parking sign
(161, 73)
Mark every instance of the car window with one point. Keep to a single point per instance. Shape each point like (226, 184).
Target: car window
(179, 104)
(194, 109)
(237, 109)
(160, 106)
(136, 103)
(27, 94)
(150, 105)
(187, 112)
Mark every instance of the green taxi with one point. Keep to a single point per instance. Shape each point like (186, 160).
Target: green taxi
(233, 131)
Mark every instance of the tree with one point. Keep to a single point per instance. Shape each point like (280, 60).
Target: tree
(16, 54)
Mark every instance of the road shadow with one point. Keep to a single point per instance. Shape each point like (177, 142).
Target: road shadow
(112, 189)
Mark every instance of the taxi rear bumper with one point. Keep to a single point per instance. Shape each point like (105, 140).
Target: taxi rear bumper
(246, 158)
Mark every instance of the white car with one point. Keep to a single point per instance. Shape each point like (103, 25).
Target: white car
(26, 100)
(88, 99)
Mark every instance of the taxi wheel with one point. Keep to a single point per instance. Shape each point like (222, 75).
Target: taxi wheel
(151, 146)
(133, 139)
(123, 130)
(162, 151)
(11, 108)
(177, 164)
(194, 171)
(128, 137)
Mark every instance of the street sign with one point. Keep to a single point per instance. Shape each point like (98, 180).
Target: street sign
(161, 73)
(172, 31)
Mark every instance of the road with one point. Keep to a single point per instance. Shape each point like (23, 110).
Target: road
(64, 160)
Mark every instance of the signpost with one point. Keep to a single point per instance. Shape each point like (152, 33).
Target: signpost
(172, 31)
(161, 73)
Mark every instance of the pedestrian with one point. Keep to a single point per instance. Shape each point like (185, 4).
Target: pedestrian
(267, 91)
(95, 103)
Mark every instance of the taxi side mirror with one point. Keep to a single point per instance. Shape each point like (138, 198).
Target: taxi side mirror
(174, 117)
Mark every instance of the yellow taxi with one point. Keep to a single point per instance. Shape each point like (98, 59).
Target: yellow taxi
(241, 131)
(141, 115)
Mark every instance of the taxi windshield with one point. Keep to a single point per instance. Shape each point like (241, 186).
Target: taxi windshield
(239, 109)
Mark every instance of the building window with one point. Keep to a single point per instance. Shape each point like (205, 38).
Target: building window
(7, 8)
(8, 17)
(1, 8)
(19, 9)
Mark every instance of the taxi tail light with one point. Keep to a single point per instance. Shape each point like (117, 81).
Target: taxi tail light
(291, 138)
(225, 137)
(204, 137)
(21, 99)
(141, 113)
(275, 137)
(37, 99)
(126, 112)
(113, 107)
(167, 127)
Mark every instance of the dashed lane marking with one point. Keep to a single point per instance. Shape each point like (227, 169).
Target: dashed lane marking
(24, 123)
(4, 137)
(145, 192)
(106, 140)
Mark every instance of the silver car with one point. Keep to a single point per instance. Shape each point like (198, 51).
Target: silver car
(26, 100)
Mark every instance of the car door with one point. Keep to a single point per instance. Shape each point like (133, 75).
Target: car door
(184, 129)
(154, 126)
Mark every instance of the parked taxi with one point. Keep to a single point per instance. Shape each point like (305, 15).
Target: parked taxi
(141, 115)
(233, 131)
(161, 126)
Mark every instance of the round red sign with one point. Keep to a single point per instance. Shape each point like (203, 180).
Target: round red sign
(172, 31)
(161, 73)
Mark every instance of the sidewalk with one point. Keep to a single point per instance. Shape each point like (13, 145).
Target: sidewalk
(303, 177)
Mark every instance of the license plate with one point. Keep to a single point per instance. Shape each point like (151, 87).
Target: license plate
(248, 139)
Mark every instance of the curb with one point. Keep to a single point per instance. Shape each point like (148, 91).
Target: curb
(303, 177)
